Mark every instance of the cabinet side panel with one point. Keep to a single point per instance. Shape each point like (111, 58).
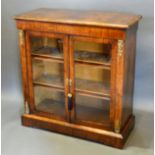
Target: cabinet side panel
(29, 73)
(119, 85)
(129, 73)
(22, 46)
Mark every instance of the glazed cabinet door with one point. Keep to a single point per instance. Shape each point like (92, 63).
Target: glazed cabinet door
(47, 69)
(92, 89)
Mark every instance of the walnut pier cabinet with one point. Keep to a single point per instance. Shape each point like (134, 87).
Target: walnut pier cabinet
(78, 72)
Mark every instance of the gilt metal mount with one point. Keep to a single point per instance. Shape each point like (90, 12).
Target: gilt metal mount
(21, 36)
(26, 108)
(120, 47)
(117, 126)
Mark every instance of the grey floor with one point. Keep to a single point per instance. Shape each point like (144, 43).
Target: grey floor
(20, 140)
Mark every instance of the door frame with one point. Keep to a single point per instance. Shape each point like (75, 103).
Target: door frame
(113, 42)
(31, 101)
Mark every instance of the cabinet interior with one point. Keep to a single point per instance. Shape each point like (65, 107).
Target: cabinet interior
(49, 101)
(92, 63)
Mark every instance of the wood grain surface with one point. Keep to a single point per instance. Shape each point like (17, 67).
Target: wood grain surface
(80, 17)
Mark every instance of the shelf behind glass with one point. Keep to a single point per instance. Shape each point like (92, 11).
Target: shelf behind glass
(49, 101)
(92, 57)
(92, 87)
(92, 80)
(48, 52)
(92, 110)
(80, 56)
(48, 73)
(92, 53)
(47, 47)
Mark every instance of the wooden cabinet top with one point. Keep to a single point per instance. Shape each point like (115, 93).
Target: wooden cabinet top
(79, 17)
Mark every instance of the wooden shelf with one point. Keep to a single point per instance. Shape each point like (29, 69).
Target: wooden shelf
(92, 58)
(82, 57)
(83, 87)
(55, 87)
(92, 88)
(42, 57)
(48, 52)
(93, 94)
(53, 81)
(53, 107)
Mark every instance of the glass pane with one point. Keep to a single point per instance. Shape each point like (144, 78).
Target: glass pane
(92, 52)
(48, 72)
(49, 100)
(90, 109)
(92, 78)
(92, 83)
(90, 61)
(49, 47)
